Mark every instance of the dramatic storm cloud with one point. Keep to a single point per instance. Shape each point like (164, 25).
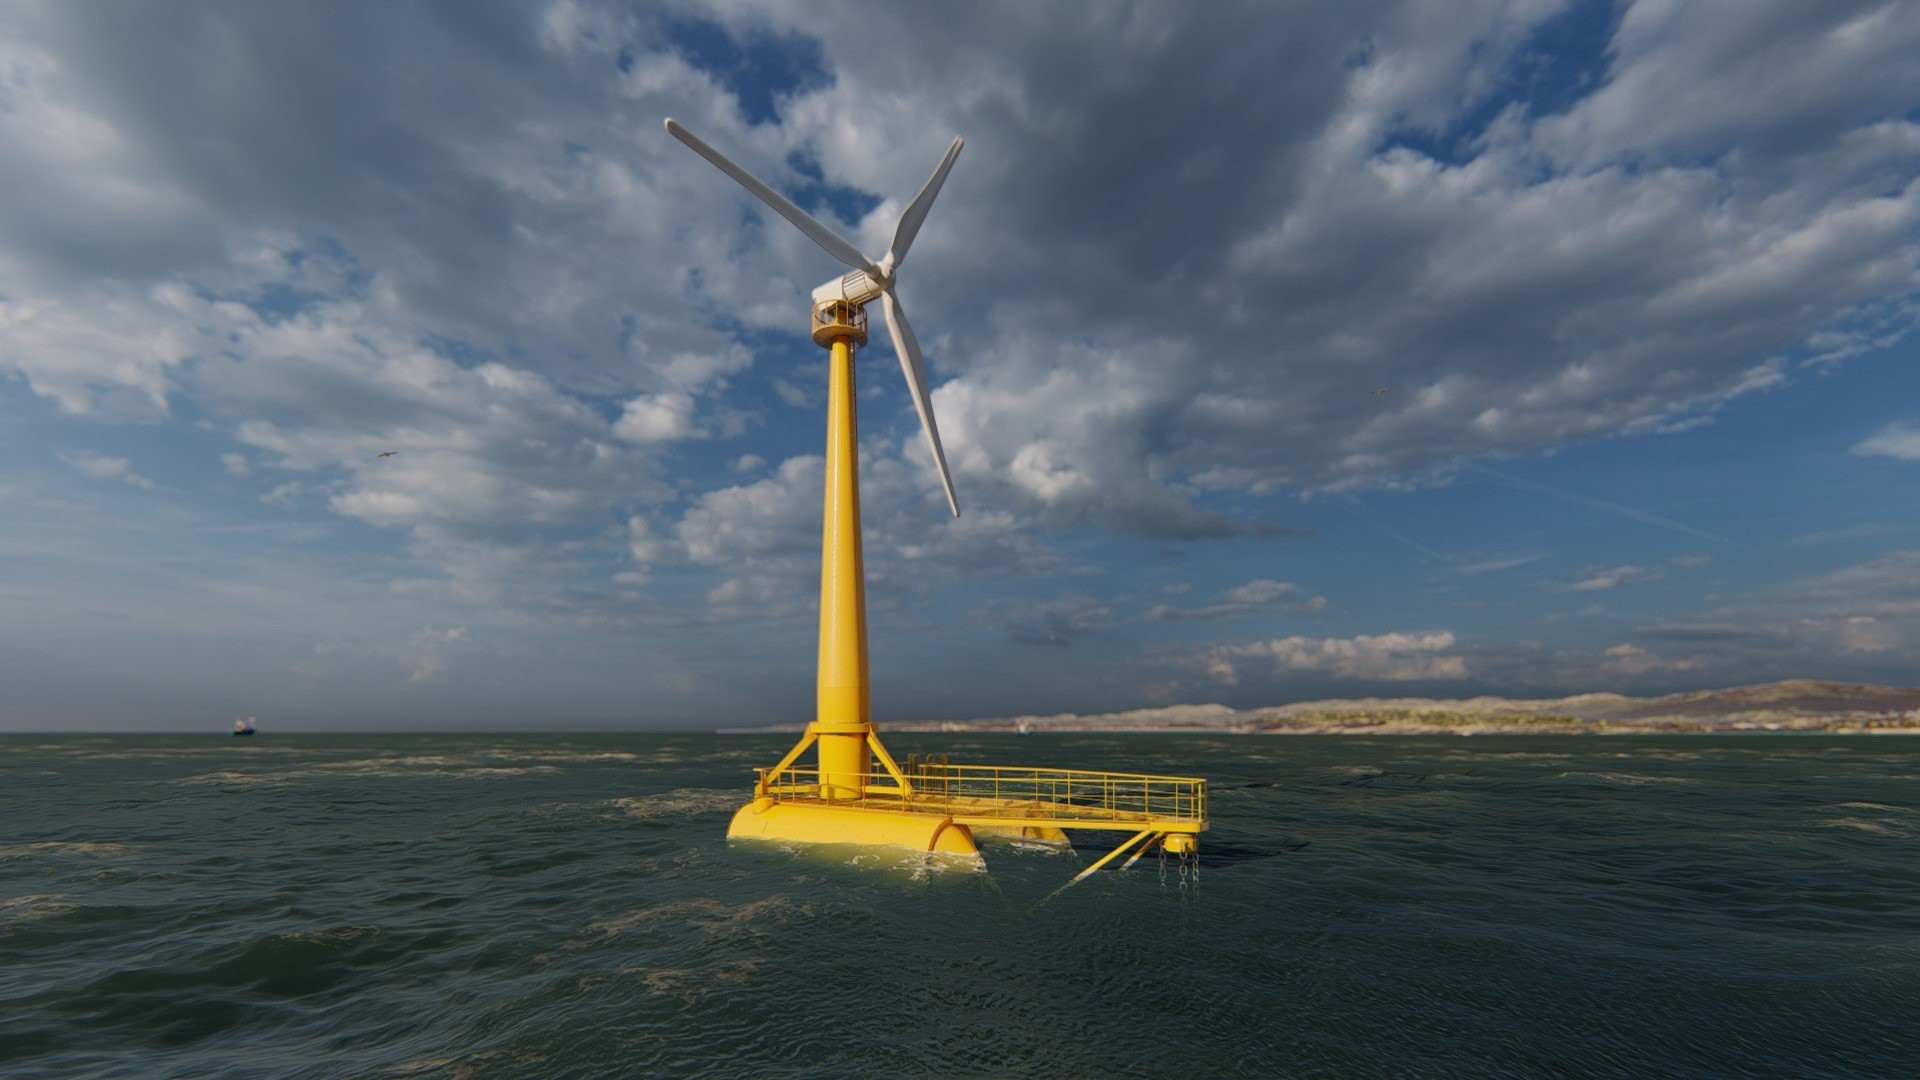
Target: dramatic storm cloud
(1277, 351)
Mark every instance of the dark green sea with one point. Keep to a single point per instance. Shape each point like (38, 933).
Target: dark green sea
(300, 905)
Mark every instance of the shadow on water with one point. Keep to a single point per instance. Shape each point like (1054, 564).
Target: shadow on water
(1382, 777)
(1215, 854)
(1391, 778)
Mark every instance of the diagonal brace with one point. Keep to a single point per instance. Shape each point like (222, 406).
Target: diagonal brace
(793, 755)
(887, 762)
(1143, 834)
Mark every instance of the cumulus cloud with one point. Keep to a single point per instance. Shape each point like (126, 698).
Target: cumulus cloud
(1574, 264)
(1632, 661)
(285, 495)
(1871, 607)
(1057, 623)
(488, 452)
(1862, 620)
(1565, 270)
(1155, 294)
(1490, 564)
(486, 449)
(101, 353)
(102, 467)
(1606, 579)
(657, 418)
(1900, 441)
(1392, 657)
(764, 536)
(430, 649)
(1259, 596)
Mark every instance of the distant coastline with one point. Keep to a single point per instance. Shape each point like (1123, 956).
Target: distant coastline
(1805, 705)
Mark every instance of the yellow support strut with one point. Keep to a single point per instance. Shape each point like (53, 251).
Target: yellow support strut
(1136, 838)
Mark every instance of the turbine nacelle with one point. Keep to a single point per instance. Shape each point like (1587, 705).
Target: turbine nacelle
(869, 280)
(855, 287)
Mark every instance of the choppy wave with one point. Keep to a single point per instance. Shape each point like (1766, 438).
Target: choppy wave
(1878, 819)
(93, 849)
(411, 767)
(1506, 755)
(710, 915)
(1630, 779)
(515, 906)
(1907, 811)
(682, 802)
(24, 909)
(1864, 826)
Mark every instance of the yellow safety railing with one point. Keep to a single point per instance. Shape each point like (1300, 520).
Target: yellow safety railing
(1068, 797)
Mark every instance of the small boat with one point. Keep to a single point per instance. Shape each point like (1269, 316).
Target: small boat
(243, 727)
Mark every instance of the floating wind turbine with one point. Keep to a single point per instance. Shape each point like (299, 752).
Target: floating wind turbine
(868, 280)
(926, 807)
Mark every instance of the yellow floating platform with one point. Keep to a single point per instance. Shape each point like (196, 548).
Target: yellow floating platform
(936, 806)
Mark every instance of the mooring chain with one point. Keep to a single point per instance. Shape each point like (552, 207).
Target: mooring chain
(1186, 866)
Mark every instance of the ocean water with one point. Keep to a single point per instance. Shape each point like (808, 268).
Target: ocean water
(567, 906)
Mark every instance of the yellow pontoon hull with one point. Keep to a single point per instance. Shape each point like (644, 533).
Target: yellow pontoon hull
(813, 823)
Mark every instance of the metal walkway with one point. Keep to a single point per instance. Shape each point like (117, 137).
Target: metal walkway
(1008, 796)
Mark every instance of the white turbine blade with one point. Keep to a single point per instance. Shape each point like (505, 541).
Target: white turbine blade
(828, 240)
(909, 350)
(916, 211)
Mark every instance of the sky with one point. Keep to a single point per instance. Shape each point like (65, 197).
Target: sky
(1637, 281)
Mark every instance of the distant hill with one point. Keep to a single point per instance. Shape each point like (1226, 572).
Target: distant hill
(1800, 695)
(1792, 705)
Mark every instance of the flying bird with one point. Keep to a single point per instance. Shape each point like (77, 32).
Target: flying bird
(388, 453)
(1382, 390)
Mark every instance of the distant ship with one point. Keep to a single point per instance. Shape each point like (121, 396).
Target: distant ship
(1023, 728)
(243, 727)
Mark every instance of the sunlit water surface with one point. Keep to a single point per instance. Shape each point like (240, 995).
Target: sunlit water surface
(567, 905)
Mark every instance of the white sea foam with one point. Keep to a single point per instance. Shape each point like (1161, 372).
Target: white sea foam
(1629, 779)
(344, 933)
(1892, 820)
(224, 776)
(1658, 755)
(461, 1064)
(915, 865)
(429, 766)
(690, 984)
(681, 802)
(90, 849)
(562, 755)
(150, 753)
(717, 917)
(33, 906)
(1863, 826)
(1882, 807)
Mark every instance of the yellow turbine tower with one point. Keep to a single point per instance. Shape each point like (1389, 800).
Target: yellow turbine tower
(932, 806)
